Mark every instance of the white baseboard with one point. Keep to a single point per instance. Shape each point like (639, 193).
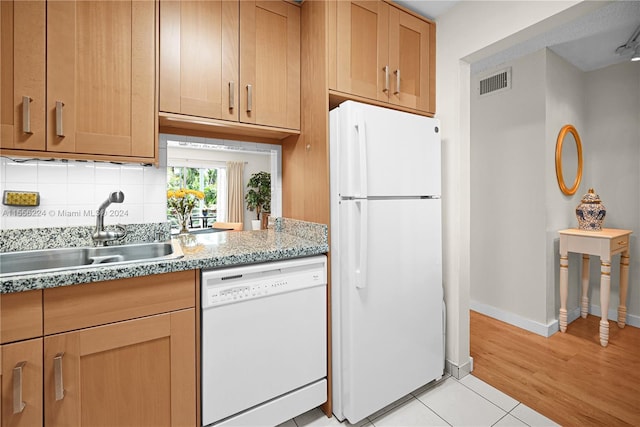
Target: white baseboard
(573, 314)
(461, 371)
(551, 328)
(516, 320)
(632, 319)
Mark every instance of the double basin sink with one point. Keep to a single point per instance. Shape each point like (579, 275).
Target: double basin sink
(50, 260)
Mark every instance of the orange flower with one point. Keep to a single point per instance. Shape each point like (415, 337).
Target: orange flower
(182, 201)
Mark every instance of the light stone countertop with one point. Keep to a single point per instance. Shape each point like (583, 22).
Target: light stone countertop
(290, 239)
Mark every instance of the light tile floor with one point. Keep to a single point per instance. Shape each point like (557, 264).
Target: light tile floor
(448, 402)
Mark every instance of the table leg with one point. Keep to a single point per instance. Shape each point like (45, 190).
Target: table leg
(605, 287)
(564, 279)
(624, 282)
(584, 307)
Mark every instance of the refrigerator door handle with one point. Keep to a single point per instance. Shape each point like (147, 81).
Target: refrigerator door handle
(361, 270)
(362, 153)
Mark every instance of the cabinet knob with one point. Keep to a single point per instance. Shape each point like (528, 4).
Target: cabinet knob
(397, 73)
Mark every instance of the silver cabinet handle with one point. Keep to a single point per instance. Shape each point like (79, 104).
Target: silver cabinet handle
(26, 114)
(249, 98)
(59, 130)
(57, 373)
(386, 78)
(232, 95)
(18, 404)
(397, 73)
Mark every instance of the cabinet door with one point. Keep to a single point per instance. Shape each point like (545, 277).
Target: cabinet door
(22, 75)
(101, 77)
(145, 369)
(411, 61)
(199, 58)
(270, 63)
(362, 48)
(22, 383)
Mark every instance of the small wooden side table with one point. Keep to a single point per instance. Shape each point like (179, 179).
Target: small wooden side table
(605, 244)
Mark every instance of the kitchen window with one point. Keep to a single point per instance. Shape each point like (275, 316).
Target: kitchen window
(209, 180)
(191, 161)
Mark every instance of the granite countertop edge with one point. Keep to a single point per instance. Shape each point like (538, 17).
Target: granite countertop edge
(229, 249)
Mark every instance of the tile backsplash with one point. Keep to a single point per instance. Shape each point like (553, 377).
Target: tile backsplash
(71, 192)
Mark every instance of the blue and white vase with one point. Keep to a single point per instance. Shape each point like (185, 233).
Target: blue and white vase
(590, 212)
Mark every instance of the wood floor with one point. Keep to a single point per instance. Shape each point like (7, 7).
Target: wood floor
(568, 377)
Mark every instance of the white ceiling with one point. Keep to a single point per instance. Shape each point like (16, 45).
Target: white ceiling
(428, 8)
(589, 42)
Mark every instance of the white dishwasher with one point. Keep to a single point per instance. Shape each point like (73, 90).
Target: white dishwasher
(264, 329)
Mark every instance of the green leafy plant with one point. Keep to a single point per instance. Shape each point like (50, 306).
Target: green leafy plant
(258, 196)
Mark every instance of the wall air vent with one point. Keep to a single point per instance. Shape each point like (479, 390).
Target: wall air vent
(496, 82)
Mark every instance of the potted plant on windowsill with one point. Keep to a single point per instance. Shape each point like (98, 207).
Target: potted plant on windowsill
(258, 196)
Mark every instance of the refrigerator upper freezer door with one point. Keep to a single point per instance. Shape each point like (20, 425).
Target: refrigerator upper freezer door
(387, 303)
(383, 152)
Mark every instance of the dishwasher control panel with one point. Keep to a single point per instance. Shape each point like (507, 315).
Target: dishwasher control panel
(240, 292)
(231, 285)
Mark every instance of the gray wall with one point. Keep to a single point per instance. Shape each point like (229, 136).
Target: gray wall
(516, 205)
(612, 153)
(508, 193)
(565, 104)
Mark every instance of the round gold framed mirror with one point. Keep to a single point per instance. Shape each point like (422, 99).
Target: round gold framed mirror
(569, 158)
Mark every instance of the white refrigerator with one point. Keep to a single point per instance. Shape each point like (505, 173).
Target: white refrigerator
(386, 257)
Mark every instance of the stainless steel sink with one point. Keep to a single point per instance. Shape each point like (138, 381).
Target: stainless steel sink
(46, 260)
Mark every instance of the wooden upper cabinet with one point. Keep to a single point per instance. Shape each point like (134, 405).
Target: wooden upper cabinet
(383, 53)
(100, 77)
(362, 48)
(411, 61)
(199, 58)
(231, 60)
(22, 75)
(270, 63)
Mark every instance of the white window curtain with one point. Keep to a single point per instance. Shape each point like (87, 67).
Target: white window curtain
(235, 191)
(222, 195)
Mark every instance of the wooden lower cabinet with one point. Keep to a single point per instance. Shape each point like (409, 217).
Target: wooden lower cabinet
(115, 353)
(20, 316)
(21, 359)
(139, 372)
(21, 383)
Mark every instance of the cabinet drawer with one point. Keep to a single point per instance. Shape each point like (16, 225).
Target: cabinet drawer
(20, 316)
(620, 244)
(73, 307)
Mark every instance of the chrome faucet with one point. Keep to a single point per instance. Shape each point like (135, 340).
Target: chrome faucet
(100, 235)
